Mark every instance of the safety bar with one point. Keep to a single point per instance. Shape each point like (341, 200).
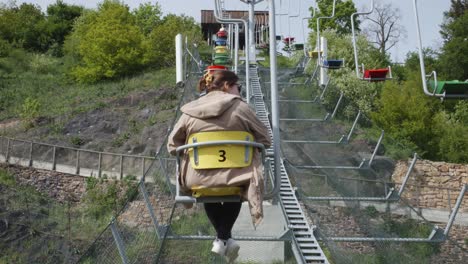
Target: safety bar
(353, 30)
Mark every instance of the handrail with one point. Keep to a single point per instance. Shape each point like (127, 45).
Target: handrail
(354, 35)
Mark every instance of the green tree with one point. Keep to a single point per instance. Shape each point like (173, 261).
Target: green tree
(454, 31)
(106, 43)
(340, 46)
(451, 130)
(148, 16)
(161, 39)
(60, 19)
(342, 19)
(406, 114)
(24, 26)
(384, 28)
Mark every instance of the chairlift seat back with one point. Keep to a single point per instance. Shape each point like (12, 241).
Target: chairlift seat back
(450, 87)
(298, 46)
(221, 49)
(221, 34)
(375, 75)
(220, 42)
(333, 63)
(211, 69)
(314, 54)
(220, 156)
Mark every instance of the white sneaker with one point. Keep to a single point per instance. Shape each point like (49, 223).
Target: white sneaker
(219, 247)
(232, 250)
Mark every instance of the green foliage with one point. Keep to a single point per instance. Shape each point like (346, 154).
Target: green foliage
(107, 43)
(371, 211)
(102, 199)
(413, 228)
(60, 19)
(341, 22)
(24, 26)
(161, 39)
(454, 30)
(405, 113)
(6, 178)
(77, 141)
(450, 132)
(147, 17)
(29, 111)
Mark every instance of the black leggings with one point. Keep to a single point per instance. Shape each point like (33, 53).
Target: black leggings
(223, 216)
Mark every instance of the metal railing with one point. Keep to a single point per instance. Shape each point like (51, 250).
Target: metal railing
(83, 162)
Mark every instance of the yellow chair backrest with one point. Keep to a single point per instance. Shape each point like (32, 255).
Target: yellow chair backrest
(220, 156)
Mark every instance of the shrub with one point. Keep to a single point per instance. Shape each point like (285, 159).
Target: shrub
(6, 178)
(29, 111)
(106, 43)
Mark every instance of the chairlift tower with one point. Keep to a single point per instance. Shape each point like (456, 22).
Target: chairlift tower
(252, 49)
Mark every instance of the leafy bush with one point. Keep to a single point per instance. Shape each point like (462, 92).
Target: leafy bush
(450, 133)
(29, 111)
(6, 178)
(102, 200)
(161, 40)
(405, 113)
(107, 43)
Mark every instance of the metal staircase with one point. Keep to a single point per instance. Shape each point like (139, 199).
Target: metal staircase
(305, 246)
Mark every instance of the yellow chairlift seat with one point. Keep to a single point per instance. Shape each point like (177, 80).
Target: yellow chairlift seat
(314, 54)
(220, 156)
(217, 150)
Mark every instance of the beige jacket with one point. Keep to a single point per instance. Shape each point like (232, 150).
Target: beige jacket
(222, 111)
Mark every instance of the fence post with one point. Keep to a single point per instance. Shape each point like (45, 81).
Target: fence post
(119, 242)
(121, 166)
(142, 167)
(77, 162)
(7, 158)
(30, 155)
(54, 161)
(99, 164)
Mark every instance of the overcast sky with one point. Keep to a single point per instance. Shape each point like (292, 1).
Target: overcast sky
(431, 14)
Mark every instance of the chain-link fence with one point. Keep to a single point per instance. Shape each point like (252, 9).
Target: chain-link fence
(344, 168)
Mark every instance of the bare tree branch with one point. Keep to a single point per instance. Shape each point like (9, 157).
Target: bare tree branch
(384, 28)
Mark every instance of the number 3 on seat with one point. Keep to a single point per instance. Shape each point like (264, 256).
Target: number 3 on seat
(220, 155)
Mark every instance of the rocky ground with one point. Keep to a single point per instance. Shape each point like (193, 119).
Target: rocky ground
(136, 124)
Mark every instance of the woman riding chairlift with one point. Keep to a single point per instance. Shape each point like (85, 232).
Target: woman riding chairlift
(217, 169)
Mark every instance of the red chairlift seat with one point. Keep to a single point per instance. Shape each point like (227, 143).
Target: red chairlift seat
(213, 68)
(288, 40)
(221, 34)
(376, 75)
